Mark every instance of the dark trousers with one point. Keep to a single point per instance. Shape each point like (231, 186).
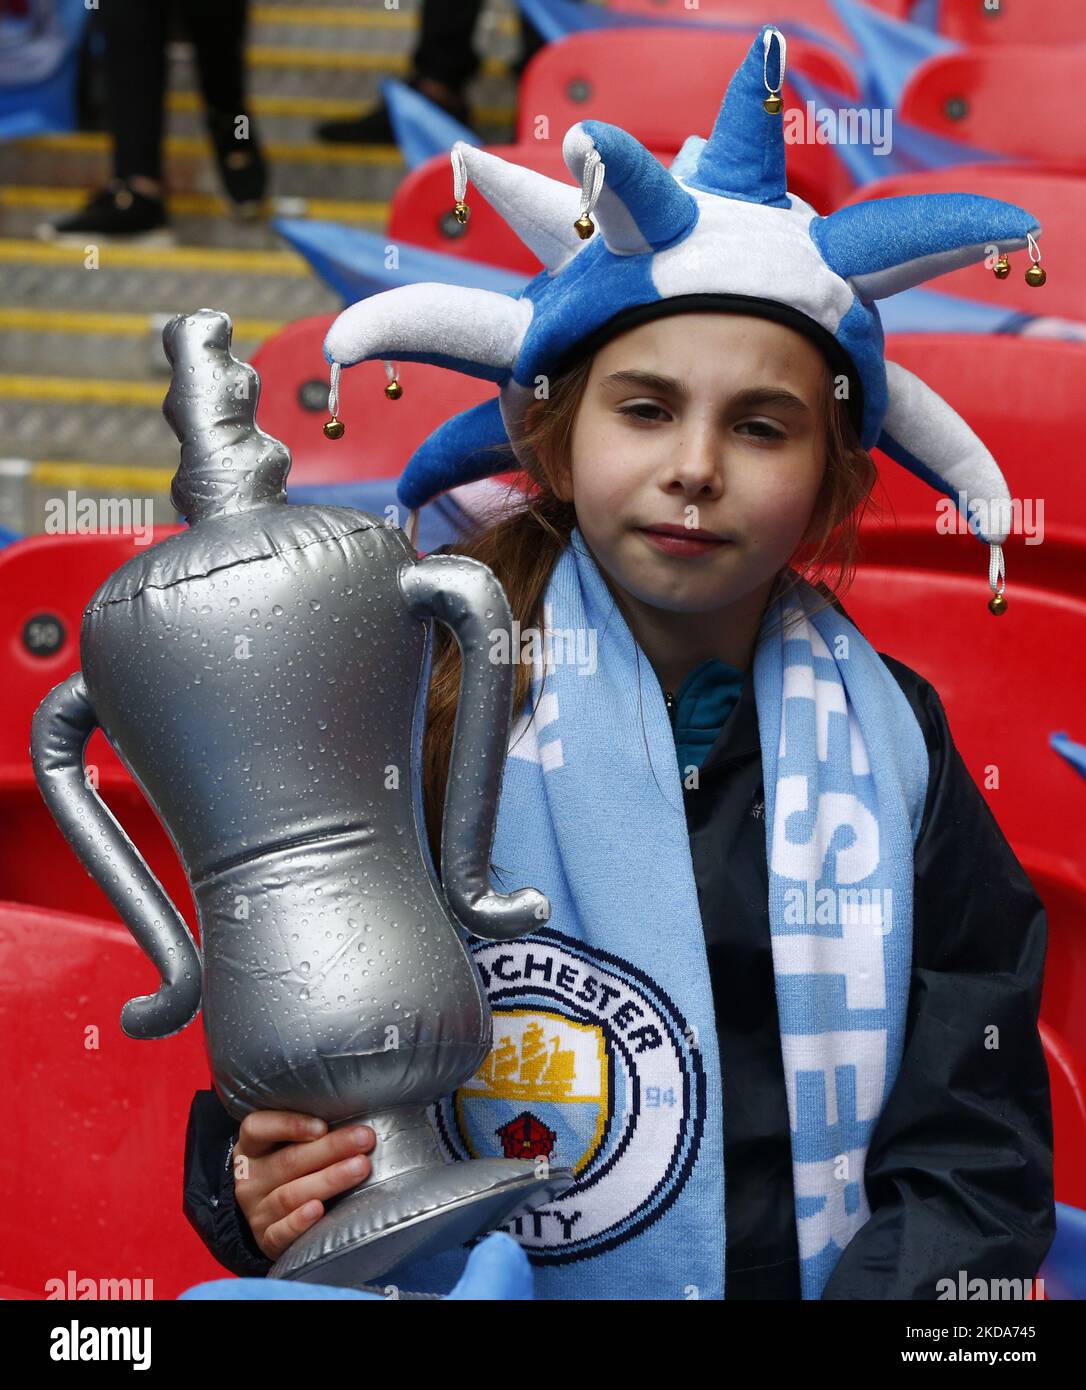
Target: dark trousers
(134, 34)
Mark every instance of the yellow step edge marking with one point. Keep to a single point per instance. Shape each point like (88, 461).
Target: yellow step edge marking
(262, 56)
(328, 108)
(82, 390)
(14, 250)
(339, 16)
(334, 15)
(199, 147)
(196, 204)
(127, 325)
(61, 473)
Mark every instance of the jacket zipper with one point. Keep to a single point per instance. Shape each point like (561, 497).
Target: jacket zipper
(669, 701)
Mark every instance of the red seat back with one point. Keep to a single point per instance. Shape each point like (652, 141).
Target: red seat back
(94, 1135)
(45, 583)
(421, 211)
(817, 15)
(1058, 201)
(1006, 681)
(1067, 1081)
(381, 435)
(1024, 397)
(1036, 21)
(1018, 102)
(37, 864)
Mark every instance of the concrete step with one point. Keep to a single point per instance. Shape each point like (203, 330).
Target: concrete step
(101, 344)
(197, 219)
(254, 283)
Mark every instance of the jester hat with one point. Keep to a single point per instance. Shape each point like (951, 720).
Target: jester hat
(716, 230)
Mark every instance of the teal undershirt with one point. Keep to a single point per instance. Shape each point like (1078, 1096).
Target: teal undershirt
(702, 703)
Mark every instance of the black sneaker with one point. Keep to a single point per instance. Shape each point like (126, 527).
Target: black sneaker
(118, 210)
(374, 127)
(242, 167)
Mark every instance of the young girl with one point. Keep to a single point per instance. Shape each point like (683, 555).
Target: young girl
(764, 1088)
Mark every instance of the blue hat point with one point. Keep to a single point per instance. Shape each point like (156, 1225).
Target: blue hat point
(719, 222)
(744, 156)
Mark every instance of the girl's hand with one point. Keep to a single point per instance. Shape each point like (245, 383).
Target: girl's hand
(286, 1165)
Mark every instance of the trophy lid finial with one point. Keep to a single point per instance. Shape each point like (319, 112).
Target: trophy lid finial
(228, 464)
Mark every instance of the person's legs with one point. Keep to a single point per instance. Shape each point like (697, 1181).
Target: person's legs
(134, 58)
(218, 30)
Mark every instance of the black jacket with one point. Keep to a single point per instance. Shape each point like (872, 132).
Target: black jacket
(959, 1167)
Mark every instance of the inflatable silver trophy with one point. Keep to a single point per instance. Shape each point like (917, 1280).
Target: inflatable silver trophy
(263, 676)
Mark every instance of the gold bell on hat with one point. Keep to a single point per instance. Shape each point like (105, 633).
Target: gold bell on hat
(393, 389)
(461, 211)
(333, 428)
(1035, 275)
(997, 604)
(773, 103)
(1002, 268)
(584, 226)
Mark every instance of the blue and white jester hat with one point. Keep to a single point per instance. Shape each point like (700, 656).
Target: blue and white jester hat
(716, 230)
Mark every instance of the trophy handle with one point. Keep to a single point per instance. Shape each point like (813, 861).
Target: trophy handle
(61, 728)
(464, 594)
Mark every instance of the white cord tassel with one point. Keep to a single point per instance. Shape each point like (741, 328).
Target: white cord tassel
(460, 184)
(773, 102)
(996, 573)
(591, 186)
(333, 428)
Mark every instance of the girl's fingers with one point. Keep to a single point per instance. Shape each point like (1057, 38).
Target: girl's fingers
(283, 1233)
(264, 1129)
(317, 1186)
(296, 1160)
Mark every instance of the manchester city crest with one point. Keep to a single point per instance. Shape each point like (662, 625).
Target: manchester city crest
(592, 1068)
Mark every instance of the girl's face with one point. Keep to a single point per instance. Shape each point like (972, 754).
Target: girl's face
(705, 421)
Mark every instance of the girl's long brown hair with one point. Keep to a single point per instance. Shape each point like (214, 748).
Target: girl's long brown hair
(532, 530)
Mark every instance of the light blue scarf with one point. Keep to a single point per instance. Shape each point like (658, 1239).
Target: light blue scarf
(605, 1052)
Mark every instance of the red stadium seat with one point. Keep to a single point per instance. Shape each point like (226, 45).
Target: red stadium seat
(1006, 682)
(1018, 102)
(663, 84)
(996, 383)
(93, 1144)
(1059, 203)
(381, 435)
(1061, 886)
(421, 211)
(1035, 21)
(818, 15)
(45, 583)
(1067, 1082)
(37, 865)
